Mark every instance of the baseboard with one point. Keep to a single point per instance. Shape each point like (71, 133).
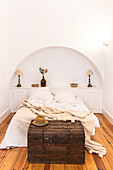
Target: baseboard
(107, 115)
(5, 114)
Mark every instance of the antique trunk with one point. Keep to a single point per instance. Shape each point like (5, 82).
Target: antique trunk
(60, 142)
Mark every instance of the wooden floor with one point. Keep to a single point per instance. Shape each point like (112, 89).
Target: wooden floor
(16, 159)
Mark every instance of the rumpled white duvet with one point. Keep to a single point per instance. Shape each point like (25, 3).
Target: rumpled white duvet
(16, 135)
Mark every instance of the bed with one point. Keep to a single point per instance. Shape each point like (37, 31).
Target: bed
(53, 104)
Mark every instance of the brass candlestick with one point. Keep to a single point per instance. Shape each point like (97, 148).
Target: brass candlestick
(18, 85)
(89, 85)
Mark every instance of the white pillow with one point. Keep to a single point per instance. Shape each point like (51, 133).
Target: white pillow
(64, 97)
(42, 93)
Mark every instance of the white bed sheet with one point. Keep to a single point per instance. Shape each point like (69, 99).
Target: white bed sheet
(78, 105)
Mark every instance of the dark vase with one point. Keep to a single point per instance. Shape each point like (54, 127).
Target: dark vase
(43, 82)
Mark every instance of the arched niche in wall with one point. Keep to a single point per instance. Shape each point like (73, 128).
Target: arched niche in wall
(65, 65)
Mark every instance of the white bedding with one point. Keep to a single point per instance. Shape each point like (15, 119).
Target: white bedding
(16, 135)
(78, 105)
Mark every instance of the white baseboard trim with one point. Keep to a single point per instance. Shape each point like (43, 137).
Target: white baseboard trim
(107, 115)
(5, 114)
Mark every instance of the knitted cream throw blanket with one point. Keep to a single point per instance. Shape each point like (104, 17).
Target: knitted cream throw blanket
(87, 119)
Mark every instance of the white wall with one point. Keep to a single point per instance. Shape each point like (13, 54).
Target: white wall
(34, 24)
(64, 65)
(4, 89)
(108, 86)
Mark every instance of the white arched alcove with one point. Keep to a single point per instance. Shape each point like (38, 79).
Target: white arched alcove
(65, 65)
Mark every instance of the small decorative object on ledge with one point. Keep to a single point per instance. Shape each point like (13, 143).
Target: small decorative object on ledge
(18, 72)
(35, 85)
(74, 84)
(89, 73)
(43, 81)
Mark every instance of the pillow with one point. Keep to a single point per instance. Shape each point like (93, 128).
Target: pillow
(42, 93)
(64, 97)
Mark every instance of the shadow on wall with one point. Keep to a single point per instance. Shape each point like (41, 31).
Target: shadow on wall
(64, 65)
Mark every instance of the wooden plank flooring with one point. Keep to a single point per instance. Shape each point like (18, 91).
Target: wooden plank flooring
(16, 159)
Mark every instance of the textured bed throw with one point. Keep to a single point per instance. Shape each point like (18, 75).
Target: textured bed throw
(16, 135)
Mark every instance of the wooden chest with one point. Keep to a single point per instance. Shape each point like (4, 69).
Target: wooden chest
(60, 142)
